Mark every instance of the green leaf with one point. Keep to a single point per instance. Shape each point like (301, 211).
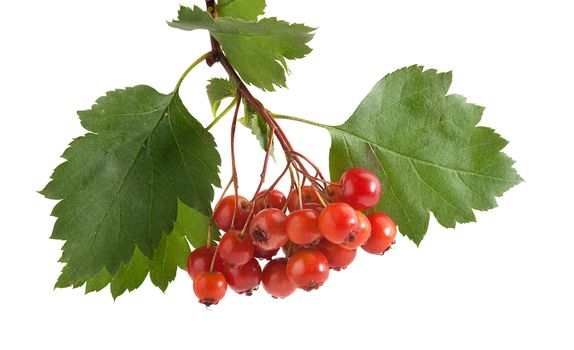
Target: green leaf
(193, 225)
(257, 50)
(248, 10)
(426, 148)
(130, 276)
(253, 121)
(99, 281)
(219, 89)
(120, 185)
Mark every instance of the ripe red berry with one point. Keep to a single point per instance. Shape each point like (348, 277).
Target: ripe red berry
(302, 227)
(360, 235)
(234, 249)
(308, 195)
(360, 188)
(275, 280)
(275, 199)
(267, 229)
(210, 287)
(308, 269)
(245, 278)
(200, 260)
(383, 233)
(263, 253)
(338, 222)
(338, 257)
(223, 213)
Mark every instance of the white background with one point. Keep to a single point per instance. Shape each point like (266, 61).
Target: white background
(502, 283)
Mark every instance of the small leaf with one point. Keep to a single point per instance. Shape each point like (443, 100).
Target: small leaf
(253, 121)
(219, 89)
(257, 50)
(130, 276)
(99, 281)
(248, 10)
(120, 186)
(426, 148)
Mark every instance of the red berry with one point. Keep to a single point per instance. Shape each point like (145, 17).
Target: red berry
(275, 280)
(302, 227)
(338, 257)
(263, 253)
(360, 188)
(234, 249)
(245, 278)
(308, 269)
(223, 213)
(314, 206)
(308, 195)
(275, 199)
(383, 233)
(200, 260)
(210, 287)
(338, 222)
(267, 229)
(360, 235)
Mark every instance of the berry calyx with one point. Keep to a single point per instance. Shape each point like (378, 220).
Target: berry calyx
(338, 222)
(200, 260)
(260, 253)
(338, 256)
(267, 229)
(308, 195)
(223, 213)
(308, 269)
(235, 249)
(360, 188)
(275, 199)
(275, 280)
(302, 227)
(245, 278)
(361, 234)
(383, 233)
(210, 287)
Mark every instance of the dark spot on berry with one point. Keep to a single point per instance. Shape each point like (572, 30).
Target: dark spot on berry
(258, 234)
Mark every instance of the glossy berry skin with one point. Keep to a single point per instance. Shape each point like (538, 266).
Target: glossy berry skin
(275, 280)
(360, 188)
(338, 256)
(308, 196)
(360, 235)
(210, 287)
(235, 250)
(308, 269)
(276, 199)
(223, 213)
(267, 229)
(383, 233)
(263, 253)
(338, 222)
(302, 227)
(245, 278)
(200, 260)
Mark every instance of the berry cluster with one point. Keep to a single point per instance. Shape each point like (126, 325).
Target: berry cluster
(321, 232)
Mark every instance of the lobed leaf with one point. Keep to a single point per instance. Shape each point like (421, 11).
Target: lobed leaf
(427, 149)
(257, 50)
(218, 90)
(121, 182)
(248, 10)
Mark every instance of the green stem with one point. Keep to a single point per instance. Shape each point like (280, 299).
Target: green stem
(222, 114)
(195, 63)
(300, 120)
